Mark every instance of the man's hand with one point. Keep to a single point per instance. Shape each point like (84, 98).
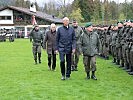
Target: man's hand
(73, 51)
(56, 52)
(99, 54)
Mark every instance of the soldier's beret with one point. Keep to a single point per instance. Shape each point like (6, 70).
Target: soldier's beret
(115, 24)
(88, 24)
(119, 22)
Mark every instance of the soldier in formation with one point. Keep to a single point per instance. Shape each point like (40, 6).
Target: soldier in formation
(119, 44)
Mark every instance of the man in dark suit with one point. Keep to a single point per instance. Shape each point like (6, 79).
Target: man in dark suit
(65, 45)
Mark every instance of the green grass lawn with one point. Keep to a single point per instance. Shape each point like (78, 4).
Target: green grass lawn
(20, 79)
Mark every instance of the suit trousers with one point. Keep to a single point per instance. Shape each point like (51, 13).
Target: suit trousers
(53, 58)
(65, 70)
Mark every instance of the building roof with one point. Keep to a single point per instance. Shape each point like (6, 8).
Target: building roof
(38, 14)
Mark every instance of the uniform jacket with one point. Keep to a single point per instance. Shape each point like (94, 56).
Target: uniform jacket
(37, 37)
(113, 38)
(90, 43)
(65, 40)
(78, 32)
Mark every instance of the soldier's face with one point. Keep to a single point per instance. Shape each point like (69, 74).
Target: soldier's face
(131, 25)
(120, 25)
(115, 28)
(90, 29)
(75, 24)
(36, 28)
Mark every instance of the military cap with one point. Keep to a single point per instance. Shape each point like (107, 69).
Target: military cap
(120, 22)
(88, 24)
(131, 21)
(74, 21)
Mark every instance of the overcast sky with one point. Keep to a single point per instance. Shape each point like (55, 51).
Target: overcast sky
(41, 2)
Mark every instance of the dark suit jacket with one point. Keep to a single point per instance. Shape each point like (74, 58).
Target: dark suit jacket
(65, 40)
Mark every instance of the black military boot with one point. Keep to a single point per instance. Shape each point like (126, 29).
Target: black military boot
(114, 61)
(72, 68)
(35, 61)
(129, 69)
(126, 66)
(131, 73)
(39, 57)
(88, 75)
(122, 65)
(107, 58)
(118, 62)
(93, 76)
(76, 69)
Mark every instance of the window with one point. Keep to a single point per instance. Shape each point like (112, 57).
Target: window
(2, 17)
(19, 18)
(5, 17)
(8, 17)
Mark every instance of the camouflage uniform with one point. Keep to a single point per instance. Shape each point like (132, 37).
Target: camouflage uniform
(118, 46)
(75, 56)
(90, 44)
(113, 44)
(131, 51)
(37, 37)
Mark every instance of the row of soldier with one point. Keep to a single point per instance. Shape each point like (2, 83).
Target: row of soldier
(102, 41)
(118, 41)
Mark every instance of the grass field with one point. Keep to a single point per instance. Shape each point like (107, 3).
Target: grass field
(20, 79)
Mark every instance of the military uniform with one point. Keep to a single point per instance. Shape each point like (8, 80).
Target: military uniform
(131, 51)
(113, 45)
(90, 44)
(37, 37)
(75, 56)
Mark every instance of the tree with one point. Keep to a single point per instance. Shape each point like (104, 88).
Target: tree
(6, 2)
(85, 9)
(75, 4)
(22, 3)
(107, 14)
(122, 16)
(114, 10)
(97, 11)
(77, 15)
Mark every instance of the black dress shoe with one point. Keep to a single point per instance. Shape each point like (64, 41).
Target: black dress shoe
(39, 62)
(93, 77)
(67, 78)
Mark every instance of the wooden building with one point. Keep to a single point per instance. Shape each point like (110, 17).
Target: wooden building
(20, 19)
